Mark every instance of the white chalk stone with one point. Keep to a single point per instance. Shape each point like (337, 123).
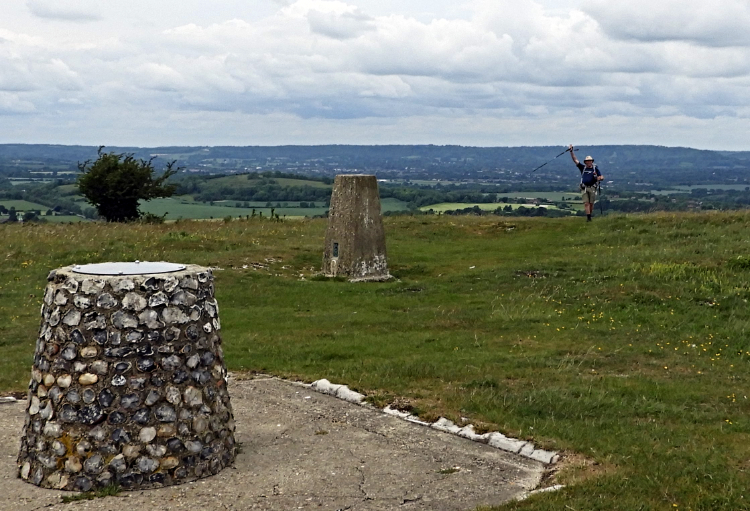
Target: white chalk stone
(468, 432)
(543, 456)
(325, 387)
(396, 413)
(443, 424)
(526, 450)
(415, 420)
(526, 495)
(349, 395)
(500, 441)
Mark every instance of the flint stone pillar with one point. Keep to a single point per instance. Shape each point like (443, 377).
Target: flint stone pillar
(128, 384)
(355, 239)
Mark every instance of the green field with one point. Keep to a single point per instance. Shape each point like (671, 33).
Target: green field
(175, 208)
(425, 182)
(452, 206)
(297, 182)
(19, 181)
(22, 205)
(64, 218)
(572, 195)
(551, 196)
(621, 343)
(687, 189)
(55, 219)
(242, 181)
(182, 208)
(51, 172)
(252, 204)
(187, 208)
(391, 204)
(68, 190)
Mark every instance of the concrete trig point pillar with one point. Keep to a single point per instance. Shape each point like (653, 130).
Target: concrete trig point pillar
(355, 239)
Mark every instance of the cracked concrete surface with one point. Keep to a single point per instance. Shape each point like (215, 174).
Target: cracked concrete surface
(305, 450)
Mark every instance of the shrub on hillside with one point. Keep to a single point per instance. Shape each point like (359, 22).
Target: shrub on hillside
(115, 183)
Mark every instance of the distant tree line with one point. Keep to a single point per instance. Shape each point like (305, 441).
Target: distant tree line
(262, 187)
(49, 195)
(697, 199)
(421, 196)
(259, 193)
(500, 211)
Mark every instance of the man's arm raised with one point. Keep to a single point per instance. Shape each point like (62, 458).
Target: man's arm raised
(573, 154)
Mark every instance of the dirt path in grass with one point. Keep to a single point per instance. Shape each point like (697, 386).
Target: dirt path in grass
(305, 450)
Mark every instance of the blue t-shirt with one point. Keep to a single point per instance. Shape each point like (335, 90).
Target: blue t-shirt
(594, 170)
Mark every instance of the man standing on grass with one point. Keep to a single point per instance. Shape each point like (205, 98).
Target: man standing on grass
(590, 176)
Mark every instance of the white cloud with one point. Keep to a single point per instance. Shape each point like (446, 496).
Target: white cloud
(346, 25)
(703, 23)
(345, 64)
(13, 104)
(158, 77)
(68, 10)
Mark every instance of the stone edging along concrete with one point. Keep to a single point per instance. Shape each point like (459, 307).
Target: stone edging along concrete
(494, 439)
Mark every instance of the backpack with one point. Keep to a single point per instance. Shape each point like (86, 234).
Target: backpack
(588, 176)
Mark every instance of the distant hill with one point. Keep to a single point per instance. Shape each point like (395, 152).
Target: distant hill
(626, 165)
(385, 155)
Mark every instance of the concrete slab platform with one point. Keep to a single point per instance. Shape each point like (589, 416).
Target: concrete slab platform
(304, 450)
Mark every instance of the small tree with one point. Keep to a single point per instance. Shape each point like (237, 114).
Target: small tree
(115, 183)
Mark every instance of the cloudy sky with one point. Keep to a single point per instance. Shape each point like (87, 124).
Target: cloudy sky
(474, 72)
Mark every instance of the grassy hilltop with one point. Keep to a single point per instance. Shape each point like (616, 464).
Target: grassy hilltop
(623, 342)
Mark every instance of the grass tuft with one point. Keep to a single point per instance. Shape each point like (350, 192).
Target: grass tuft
(447, 471)
(112, 490)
